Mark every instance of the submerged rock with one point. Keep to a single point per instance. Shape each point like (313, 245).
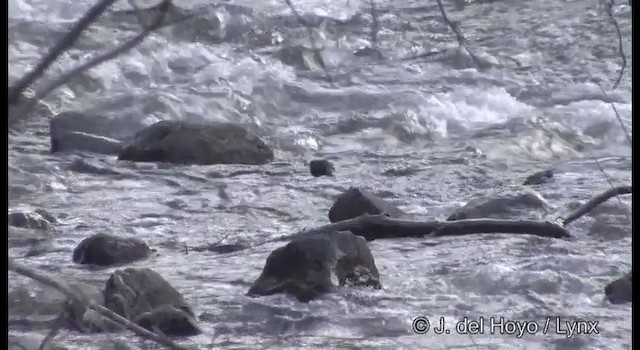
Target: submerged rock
(619, 291)
(321, 167)
(74, 131)
(355, 202)
(315, 264)
(144, 297)
(523, 204)
(34, 220)
(190, 143)
(539, 178)
(104, 250)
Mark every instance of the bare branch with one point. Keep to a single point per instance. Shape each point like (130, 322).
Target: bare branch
(109, 55)
(591, 204)
(310, 28)
(459, 37)
(615, 110)
(67, 41)
(375, 24)
(67, 291)
(620, 48)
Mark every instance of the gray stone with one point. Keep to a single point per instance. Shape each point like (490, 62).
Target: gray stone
(519, 204)
(144, 297)
(29, 220)
(355, 202)
(104, 250)
(315, 264)
(190, 143)
(619, 291)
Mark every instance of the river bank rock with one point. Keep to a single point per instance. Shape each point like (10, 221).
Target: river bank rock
(145, 298)
(619, 291)
(315, 264)
(355, 202)
(191, 143)
(518, 204)
(75, 131)
(105, 250)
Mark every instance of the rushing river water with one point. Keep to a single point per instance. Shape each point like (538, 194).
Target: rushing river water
(427, 134)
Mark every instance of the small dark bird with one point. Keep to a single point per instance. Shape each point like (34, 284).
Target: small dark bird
(321, 167)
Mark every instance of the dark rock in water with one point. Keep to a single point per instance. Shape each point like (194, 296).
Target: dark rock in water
(74, 131)
(321, 167)
(82, 166)
(355, 202)
(191, 143)
(539, 178)
(315, 264)
(226, 248)
(144, 297)
(29, 220)
(524, 204)
(619, 291)
(104, 250)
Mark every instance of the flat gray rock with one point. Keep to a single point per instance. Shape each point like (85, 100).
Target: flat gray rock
(191, 143)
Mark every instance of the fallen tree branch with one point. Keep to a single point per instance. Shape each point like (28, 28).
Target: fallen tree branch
(594, 202)
(61, 46)
(381, 226)
(69, 293)
(17, 109)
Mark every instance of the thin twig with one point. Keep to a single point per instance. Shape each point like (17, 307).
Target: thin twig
(620, 47)
(67, 291)
(375, 24)
(594, 202)
(615, 110)
(459, 37)
(67, 41)
(310, 28)
(109, 55)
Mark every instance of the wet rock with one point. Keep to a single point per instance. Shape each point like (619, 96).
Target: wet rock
(518, 204)
(29, 220)
(355, 202)
(144, 297)
(321, 167)
(315, 264)
(539, 178)
(191, 143)
(74, 131)
(301, 57)
(619, 291)
(226, 248)
(104, 250)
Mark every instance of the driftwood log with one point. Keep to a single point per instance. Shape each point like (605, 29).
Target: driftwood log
(381, 226)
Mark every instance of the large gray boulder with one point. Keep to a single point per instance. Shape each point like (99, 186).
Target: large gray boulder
(191, 143)
(619, 291)
(104, 250)
(315, 264)
(518, 204)
(355, 202)
(145, 298)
